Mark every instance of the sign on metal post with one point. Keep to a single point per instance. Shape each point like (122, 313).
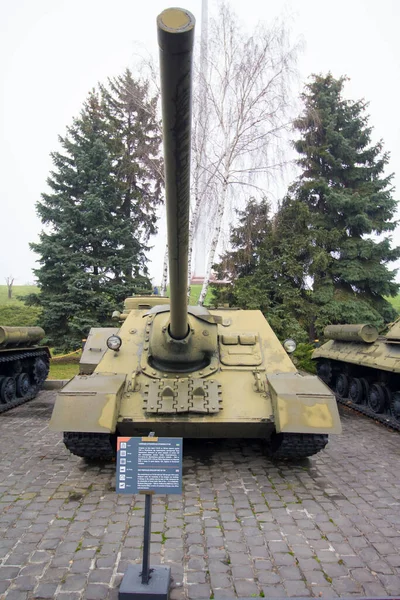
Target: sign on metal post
(144, 465)
(148, 465)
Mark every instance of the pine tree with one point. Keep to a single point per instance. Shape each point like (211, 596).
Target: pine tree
(265, 266)
(135, 139)
(350, 203)
(92, 252)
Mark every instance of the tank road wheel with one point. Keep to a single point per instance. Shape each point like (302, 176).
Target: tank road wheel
(356, 390)
(365, 384)
(7, 390)
(342, 385)
(395, 406)
(40, 370)
(324, 371)
(377, 398)
(23, 385)
(295, 445)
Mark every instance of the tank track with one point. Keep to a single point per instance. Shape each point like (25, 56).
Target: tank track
(35, 388)
(296, 445)
(386, 420)
(92, 446)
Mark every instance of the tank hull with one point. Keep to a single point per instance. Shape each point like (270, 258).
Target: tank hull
(250, 389)
(365, 376)
(22, 373)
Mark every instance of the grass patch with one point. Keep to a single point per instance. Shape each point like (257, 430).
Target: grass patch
(195, 291)
(61, 371)
(14, 313)
(395, 302)
(18, 290)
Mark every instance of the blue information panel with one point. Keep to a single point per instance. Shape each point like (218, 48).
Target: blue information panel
(149, 465)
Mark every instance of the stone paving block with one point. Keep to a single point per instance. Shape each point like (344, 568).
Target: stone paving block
(196, 577)
(346, 585)
(282, 560)
(8, 572)
(24, 583)
(268, 577)
(198, 591)
(73, 583)
(45, 590)
(245, 589)
(225, 593)
(274, 591)
(96, 592)
(330, 526)
(4, 585)
(17, 595)
(296, 588)
(220, 580)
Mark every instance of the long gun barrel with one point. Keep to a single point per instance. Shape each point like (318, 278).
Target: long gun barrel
(175, 39)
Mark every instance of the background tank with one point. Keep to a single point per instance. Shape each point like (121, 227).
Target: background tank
(188, 371)
(363, 368)
(24, 365)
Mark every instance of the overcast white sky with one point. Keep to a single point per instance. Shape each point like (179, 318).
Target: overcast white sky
(52, 52)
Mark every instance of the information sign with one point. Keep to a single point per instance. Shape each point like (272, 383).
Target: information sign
(149, 465)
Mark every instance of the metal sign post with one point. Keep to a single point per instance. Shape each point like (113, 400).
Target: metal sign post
(148, 465)
(146, 538)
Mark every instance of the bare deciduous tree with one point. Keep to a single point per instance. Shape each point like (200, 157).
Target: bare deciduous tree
(240, 138)
(163, 289)
(10, 282)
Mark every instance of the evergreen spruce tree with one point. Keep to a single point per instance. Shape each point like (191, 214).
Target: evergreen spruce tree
(92, 252)
(135, 139)
(350, 201)
(266, 266)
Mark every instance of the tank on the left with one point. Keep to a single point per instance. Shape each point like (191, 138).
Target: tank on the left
(24, 365)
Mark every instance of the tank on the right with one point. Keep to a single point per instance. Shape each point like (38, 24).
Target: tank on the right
(363, 368)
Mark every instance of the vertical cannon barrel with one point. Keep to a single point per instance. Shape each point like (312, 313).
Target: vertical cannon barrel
(175, 39)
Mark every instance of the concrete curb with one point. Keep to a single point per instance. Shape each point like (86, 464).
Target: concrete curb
(54, 384)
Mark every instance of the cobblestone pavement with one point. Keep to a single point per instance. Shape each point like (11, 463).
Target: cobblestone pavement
(245, 526)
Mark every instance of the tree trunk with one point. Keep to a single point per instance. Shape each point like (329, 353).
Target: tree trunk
(214, 242)
(192, 232)
(9, 282)
(163, 287)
